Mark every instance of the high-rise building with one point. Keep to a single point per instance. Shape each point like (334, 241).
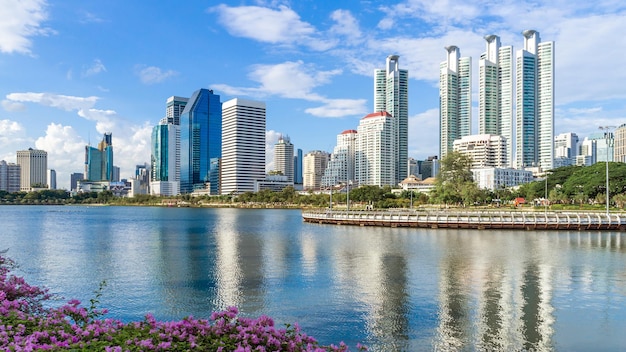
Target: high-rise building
(495, 93)
(99, 161)
(619, 149)
(391, 92)
(201, 142)
(485, 150)
(174, 108)
(565, 149)
(314, 164)
(52, 179)
(297, 167)
(374, 156)
(165, 160)
(74, 178)
(10, 175)
(455, 99)
(340, 169)
(243, 145)
(283, 157)
(604, 146)
(535, 102)
(33, 168)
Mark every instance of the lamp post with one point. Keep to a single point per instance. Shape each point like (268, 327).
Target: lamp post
(607, 130)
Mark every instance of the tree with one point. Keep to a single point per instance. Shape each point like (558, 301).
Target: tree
(455, 182)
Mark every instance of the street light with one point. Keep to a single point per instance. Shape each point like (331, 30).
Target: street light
(607, 130)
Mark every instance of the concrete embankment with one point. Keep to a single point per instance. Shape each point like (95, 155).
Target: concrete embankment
(472, 219)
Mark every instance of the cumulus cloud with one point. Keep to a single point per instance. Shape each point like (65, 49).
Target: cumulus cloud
(345, 24)
(296, 80)
(153, 74)
(94, 69)
(422, 141)
(20, 21)
(66, 151)
(12, 133)
(275, 26)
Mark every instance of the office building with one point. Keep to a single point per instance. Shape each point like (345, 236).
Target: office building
(391, 91)
(314, 164)
(565, 149)
(340, 169)
(535, 102)
(485, 150)
(495, 179)
(201, 142)
(495, 93)
(99, 161)
(33, 169)
(283, 158)
(10, 175)
(429, 167)
(413, 168)
(455, 99)
(243, 146)
(619, 151)
(375, 150)
(74, 178)
(297, 167)
(165, 160)
(173, 109)
(604, 146)
(52, 179)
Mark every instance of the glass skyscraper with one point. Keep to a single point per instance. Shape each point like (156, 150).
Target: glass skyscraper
(165, 160)
(391, 92)
(455, 99)
(535, 102)
(201, 142)
(99, 161)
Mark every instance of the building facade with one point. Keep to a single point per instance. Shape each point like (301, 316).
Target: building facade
(619, 149)
(99, 161)
(297, 167)
(173, 109)
(314, 164)
(375, 150)
(165, 160)
(33, 168)
(341, 168)
(485, 150)
(496, 178)
(535, 102)
(495, 92)
(455, 99)
(10, 175)
(201, 142)
(243, 145)
(283, 158)
(52, 179)
(391, 94)
(74, 178)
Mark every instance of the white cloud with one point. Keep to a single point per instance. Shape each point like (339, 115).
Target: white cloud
(95, 68)
(12, 134)
(280, 26)
(345, 24)
(339, 108)
(153, 74)
(422, 141)
(13, 106)
(64, 102)
(20, 20)
(66, 151)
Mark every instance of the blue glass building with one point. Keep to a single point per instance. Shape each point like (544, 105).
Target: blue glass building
(99, 161)
(201, 142)
(297, 167)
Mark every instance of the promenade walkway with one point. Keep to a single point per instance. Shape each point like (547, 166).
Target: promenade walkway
(480, 220)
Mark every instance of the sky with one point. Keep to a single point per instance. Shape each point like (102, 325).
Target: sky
(72, 70)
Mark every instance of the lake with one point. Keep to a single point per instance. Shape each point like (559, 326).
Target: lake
(393, 289)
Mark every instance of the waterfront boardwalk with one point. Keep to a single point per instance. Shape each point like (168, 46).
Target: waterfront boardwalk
(480, 220)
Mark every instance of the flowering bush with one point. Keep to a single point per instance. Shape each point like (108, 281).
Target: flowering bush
(26, 326)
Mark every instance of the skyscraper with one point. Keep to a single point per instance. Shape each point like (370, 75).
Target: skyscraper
(455, 99)
(340, 168)
(314, 165)
(74, 178)
(174, 108)
(535, 102)
(201, 142)
(283, 157)
(52, 179)
(33, 168)
(297, 167)
(495, 93)
(374, 155)
(165, 160)
(391, 92)
(99, 161)
(9, 177)
(243, 146)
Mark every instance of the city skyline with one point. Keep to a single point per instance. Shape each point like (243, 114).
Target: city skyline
(73, 71)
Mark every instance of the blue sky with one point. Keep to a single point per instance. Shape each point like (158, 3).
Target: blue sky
(72, 70)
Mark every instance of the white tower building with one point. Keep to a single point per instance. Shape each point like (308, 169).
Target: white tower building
(341, 165)
(243, 145)
(374, 164)
(34, 168)
(391, 95)
(455, 103)
(535, 102)
(485, 150)
(283, 157)
(495, 93)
